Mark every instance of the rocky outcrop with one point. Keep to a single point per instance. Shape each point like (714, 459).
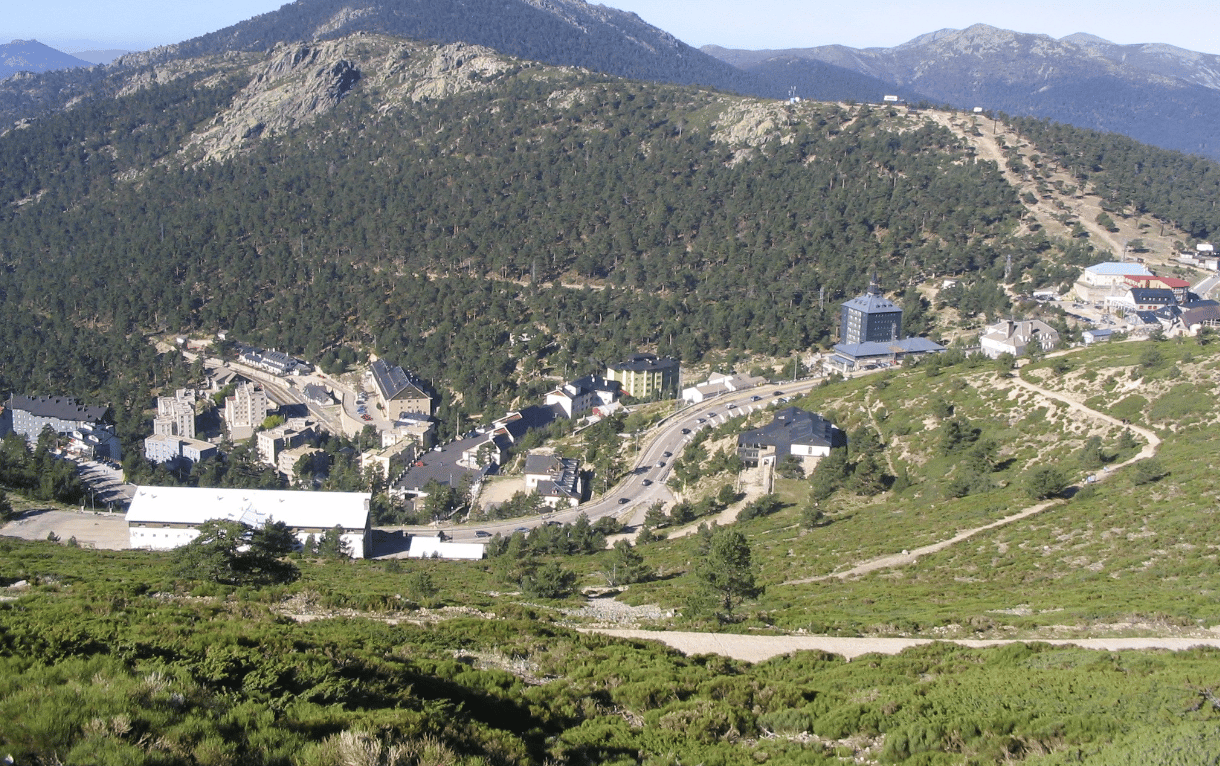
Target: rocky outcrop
(453, 69)
(298, 83)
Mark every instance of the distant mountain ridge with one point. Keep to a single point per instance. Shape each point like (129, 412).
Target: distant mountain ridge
(33, 56)
(562, 32)
(1159, 94)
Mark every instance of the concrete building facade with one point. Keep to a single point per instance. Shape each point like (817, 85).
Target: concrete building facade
(870, 318)
(644, 376)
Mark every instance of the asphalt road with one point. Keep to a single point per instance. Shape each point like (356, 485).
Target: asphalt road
(104, 487)
(630, 498)
(1206, 286)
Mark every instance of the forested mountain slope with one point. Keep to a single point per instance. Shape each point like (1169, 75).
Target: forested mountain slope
(425, 202)
(559, 32)
(1157, 94)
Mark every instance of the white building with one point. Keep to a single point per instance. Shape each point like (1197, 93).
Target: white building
(718, 384)
(162, 448)
(1011, 337)
(247, 407)
(555, 478)
(161, 518)
(581, 396)
(1102, 280)
(176, 414)
(292, 433)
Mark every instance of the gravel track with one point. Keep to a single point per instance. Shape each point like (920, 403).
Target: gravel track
(760, 648)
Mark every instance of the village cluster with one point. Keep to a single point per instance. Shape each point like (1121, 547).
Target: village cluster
(398, 407)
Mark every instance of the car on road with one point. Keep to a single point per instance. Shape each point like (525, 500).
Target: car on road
(712, 414)
(624, 500)
(778, 393)
(685, 430)
(660, 464)
(522, 529)
(554, 524)
(647, 482)
(730, 406)
(755, 398)
(667, 454)
(482, 533)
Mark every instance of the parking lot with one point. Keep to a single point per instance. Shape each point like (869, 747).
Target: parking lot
(91, 530)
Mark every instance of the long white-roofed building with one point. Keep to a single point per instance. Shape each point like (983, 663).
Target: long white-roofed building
(161, 518)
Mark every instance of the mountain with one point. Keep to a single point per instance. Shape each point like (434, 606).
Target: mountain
(562, 32)
(812, 79)
(33, 56)
(1157, 94)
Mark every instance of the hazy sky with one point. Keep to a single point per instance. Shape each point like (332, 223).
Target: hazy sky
(138, 24)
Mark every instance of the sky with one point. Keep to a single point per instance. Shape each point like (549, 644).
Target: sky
(75, 25)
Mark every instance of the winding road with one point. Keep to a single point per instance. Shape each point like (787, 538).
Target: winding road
(645, 484)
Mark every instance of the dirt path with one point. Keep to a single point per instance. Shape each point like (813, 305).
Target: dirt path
(760, 648)
(1152, 441)
(906, 557)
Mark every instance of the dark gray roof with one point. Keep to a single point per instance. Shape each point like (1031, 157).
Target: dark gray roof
(597, 383)
(872, 302)
(791, 425)
(645, 362)
(442, 466)
(1200, 314)
(61, 407)
(394, 382)
(870, 349)
(317, 393)
(1143, 295)
(563, 472)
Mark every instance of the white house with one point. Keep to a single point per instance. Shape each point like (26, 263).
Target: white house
(793, 431)
(161, 518)
(581, 396)
(555, 478)
(718, 384)
(1011, 337)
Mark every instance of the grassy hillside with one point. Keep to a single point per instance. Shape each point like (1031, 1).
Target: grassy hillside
(119, 658)
(106, 661)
